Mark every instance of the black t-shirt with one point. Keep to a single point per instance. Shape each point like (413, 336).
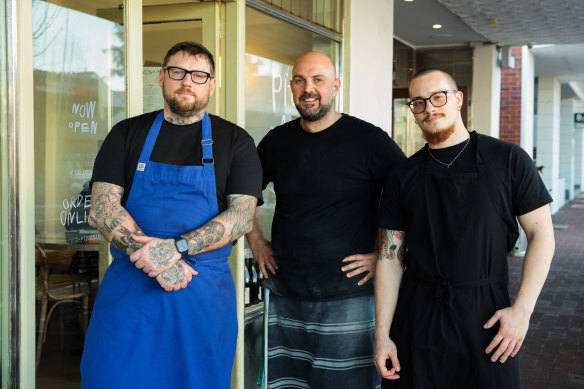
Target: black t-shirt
(237, 165)
(327, 188)
(516, 184)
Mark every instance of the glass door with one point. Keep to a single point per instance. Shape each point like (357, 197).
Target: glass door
(165, 25)
(79, 94)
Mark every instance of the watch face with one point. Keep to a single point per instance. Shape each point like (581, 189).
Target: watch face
(182, 246)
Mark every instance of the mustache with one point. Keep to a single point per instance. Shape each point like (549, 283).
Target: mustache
(184, 90)
(308, 95)
(433, 116)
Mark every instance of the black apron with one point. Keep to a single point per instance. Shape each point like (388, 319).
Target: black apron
(456, 278)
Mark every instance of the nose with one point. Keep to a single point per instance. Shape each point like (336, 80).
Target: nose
(308, 86)
(429, 108)
(188, 80)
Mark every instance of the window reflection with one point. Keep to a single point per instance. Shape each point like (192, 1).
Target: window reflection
(272, 46)
(79, 93)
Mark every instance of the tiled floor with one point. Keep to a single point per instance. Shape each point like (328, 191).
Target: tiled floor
(552, 356)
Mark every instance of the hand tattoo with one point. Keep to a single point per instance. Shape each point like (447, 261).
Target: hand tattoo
(175, 275)
(161, 254)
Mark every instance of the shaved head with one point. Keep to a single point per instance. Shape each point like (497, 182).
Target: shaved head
(316, 58)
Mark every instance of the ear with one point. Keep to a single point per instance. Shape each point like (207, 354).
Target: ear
(212, 83)
(459, 99)
(337, 85)
(160, 77)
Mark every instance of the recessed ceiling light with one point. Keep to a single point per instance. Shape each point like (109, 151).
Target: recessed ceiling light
(408, 1)
(437, 26)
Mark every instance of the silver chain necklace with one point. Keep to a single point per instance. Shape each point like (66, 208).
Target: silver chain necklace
(454, 159)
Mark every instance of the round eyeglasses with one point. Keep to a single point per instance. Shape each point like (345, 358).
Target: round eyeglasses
(437, 99)
(197, 76)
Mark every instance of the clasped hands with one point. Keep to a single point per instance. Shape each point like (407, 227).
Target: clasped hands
(159, 258)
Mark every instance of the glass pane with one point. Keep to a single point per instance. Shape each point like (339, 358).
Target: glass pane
(79, 94)
(406, 133)
(157, 38)
(272, 46)
(4, 234)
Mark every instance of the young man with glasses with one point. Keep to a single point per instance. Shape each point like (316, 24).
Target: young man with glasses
(171, 191)
(449, 216)
(328, 169)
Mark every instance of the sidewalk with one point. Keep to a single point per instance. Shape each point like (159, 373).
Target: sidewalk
(552, 356)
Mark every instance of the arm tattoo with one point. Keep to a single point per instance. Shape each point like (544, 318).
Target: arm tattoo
(240, 210)
(111, 219)
(183, 121)
(209, 234)
(392, 246)
(231, 224)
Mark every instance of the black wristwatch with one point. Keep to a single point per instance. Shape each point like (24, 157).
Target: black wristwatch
(181, 245)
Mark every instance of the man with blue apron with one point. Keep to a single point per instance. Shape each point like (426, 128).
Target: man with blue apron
(449, 218)
(165, 312)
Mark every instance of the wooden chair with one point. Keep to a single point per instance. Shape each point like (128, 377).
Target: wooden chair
(54, 290)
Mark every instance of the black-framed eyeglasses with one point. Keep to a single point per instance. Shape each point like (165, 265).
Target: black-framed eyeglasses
(176, 73)
(437, 99)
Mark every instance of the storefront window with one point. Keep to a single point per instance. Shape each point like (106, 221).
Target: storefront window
(272, 46)
(79, 93)
(4, 177)
(326, 13)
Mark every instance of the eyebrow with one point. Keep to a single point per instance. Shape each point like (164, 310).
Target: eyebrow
(420, 97)
(314, 76)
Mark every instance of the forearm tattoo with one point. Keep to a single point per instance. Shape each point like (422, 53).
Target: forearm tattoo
(111, 219)
(209, 234)
(240, 211)
(231, 224)
(175, 275)
(392, 246)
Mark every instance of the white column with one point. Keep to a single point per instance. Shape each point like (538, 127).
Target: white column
(486, 91)
(548, 137)
(527, 93)
(369, 61)
(578, 150)
(567, 146)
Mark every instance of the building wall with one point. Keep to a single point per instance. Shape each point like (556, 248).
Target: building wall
(510, 111)
(368, 61)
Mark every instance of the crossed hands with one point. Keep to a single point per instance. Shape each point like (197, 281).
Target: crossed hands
(159, 258)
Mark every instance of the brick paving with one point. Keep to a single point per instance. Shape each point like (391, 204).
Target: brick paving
(552, 356)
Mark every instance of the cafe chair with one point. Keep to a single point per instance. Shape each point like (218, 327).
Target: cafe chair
(53, 290)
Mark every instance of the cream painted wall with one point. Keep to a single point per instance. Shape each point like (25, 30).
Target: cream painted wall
(527, 103)
(369, 61)
(486, 91)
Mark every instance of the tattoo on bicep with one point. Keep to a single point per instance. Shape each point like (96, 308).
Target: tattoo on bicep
(393, 246)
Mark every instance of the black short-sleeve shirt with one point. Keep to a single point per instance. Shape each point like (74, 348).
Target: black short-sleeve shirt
(237, 165)
(516, 184)
(327, 187)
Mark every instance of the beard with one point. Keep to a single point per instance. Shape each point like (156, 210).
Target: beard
(436, 137)
(319, 113)
(184, 109)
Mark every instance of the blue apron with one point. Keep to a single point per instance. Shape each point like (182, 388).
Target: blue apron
(141, 336)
